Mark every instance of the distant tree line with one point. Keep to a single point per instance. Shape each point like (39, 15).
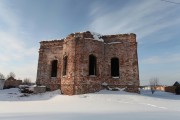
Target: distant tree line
(154, 82)
(2, 76)
(26, 81)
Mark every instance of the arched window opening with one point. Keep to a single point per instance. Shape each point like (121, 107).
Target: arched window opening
(92, 65)
(54, 68)
(65, 65)
(115, 67)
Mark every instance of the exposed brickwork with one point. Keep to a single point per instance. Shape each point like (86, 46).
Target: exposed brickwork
(77, 47)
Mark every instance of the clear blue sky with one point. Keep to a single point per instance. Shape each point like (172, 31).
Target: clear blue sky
(24, 23)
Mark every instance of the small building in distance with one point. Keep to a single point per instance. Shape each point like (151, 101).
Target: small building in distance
(175, 88)
(177, 83)
(82, 61)
(11, 82)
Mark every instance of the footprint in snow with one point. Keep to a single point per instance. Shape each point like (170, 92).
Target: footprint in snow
(153, 105)
(83, 96)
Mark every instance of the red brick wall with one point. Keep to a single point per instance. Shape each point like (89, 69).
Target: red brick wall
(77, 47)
(170, 89)
(125, 50)
(67, 82)
(48, 52)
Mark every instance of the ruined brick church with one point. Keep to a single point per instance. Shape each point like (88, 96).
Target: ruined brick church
(84, 61)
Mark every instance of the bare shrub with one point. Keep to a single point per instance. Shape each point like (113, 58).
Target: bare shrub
(153, 83)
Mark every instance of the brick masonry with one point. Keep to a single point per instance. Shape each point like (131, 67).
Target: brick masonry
(77, 47)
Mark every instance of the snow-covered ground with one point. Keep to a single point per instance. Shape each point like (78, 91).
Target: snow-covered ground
(103, 105)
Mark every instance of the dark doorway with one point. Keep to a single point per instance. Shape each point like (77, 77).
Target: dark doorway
(65, 65)
(54, 68)
(92, 65)
(115, 67)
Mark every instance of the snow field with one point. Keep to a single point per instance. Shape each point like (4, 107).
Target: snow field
(103, 105)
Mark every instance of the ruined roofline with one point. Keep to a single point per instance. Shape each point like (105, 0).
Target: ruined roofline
(50, 41)
(89, 34)
(124, 34)
(131, 37)
(120, 35)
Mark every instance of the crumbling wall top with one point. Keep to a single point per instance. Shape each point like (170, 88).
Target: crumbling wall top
(92, 36)
(119, 38)
(52, 43)
(120, 35)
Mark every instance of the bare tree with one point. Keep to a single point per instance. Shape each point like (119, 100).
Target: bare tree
(153, 83)
(11, 74)
(2, 76)
(27, 81)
